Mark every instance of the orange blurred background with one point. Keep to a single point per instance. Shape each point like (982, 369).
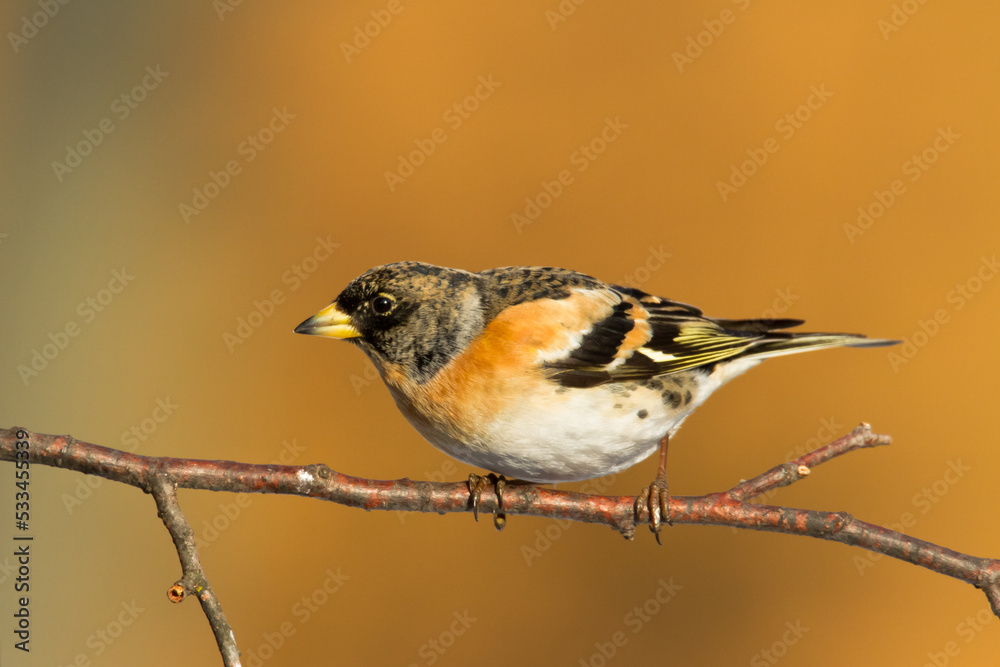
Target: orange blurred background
(171, 171)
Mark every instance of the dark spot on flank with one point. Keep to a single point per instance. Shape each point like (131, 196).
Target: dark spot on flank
(654, 384)
(672, 398)
(618, 406)
(687, 397)
(642, 414)
(562, 390)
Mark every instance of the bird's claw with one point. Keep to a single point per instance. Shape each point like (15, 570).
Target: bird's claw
(476, 485)
(656, 500)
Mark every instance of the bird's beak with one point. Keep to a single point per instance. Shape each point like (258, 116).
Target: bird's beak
(331, 321)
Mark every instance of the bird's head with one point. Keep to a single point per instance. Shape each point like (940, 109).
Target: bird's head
(409, 314)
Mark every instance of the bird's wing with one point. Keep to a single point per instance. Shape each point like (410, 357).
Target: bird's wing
(642, 336)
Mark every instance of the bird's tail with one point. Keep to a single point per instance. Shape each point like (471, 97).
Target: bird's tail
(775, 343)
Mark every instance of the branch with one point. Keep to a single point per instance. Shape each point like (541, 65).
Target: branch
(161, 475)
(194, 580)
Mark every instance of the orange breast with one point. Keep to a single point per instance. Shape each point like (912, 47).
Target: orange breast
(504, 363)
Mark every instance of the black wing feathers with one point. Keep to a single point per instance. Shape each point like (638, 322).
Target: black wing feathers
(681, 338)
(598, 348)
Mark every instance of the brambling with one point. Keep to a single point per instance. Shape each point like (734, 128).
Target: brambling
(544, 374)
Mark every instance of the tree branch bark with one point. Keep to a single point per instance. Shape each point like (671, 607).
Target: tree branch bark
(194, 580)
(161, 475)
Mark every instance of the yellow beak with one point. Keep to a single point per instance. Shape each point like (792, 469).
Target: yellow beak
(331, 321)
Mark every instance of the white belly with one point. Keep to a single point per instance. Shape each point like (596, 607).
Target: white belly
(577, 434)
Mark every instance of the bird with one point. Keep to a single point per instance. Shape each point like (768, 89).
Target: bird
(548, 375)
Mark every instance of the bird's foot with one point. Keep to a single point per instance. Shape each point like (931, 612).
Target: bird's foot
(656, 499)
(476, 485)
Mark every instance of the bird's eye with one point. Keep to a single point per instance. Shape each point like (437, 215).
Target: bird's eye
(382, 305)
